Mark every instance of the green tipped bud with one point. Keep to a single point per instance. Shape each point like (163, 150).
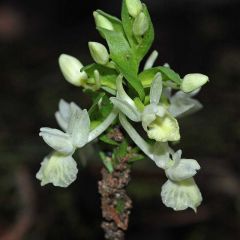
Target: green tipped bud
(99, 53)
(140, 25)
(102, 21)
(134, 7)
(193, 81)
(70, 67)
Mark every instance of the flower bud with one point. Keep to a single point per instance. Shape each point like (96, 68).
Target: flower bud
(140, 25)
(70, 67)
(134, 7)
(193, 81)
(102, 21)
(99, 52)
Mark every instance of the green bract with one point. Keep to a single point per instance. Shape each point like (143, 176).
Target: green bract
(122, 95)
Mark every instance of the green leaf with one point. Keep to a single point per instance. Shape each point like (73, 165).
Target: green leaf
(107, 161)
(170, 74)
(95, 103)
(127, 22)
(107, 75)
(147, 38)
(140, 46)
(147, 76)
(120, 206)
(124, 58)
(121, 151)
(105, 107)
(106, 139)
(135, 158)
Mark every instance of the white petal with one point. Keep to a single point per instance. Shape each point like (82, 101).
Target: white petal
(151, 60)
(64, 109)
(156, 89)
(150, 113)
(127, 109)
(57, 139)
(79, 127)
(177, 156)
(63, 115)
(161, 129)
(57, 169)
(193, 81)
(184, 169)
(161, 154)
(61, 122)
(121, 94)
(182, 104)
(181, 195)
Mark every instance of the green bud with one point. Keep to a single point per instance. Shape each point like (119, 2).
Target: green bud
(134, 7)
(193, 81)
(102, 21)
(140, 25)
(70, 67)
(99, 52)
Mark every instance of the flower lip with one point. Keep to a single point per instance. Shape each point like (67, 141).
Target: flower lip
(60, 170)
(181, 195)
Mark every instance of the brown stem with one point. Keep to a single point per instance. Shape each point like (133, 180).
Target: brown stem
(115, 202)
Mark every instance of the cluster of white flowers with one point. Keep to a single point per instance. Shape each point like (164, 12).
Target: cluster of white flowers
(160, 123)
(158, 118)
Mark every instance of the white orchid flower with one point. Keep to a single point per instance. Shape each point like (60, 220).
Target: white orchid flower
(58, 169)
(76, 134)
(181, 169)
(159, 124)
(182, 104)
(181, 195)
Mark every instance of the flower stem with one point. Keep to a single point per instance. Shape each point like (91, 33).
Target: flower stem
(115, 202)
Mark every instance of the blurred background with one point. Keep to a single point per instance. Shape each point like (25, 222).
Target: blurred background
(192, 36)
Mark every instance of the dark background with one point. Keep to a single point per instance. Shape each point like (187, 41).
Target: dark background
(192, 36)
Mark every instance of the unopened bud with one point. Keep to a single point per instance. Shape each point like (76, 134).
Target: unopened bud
(140, 25)
(70, 67)
(102, 21)
(99, 52)
(134, 7)
(193, 81)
